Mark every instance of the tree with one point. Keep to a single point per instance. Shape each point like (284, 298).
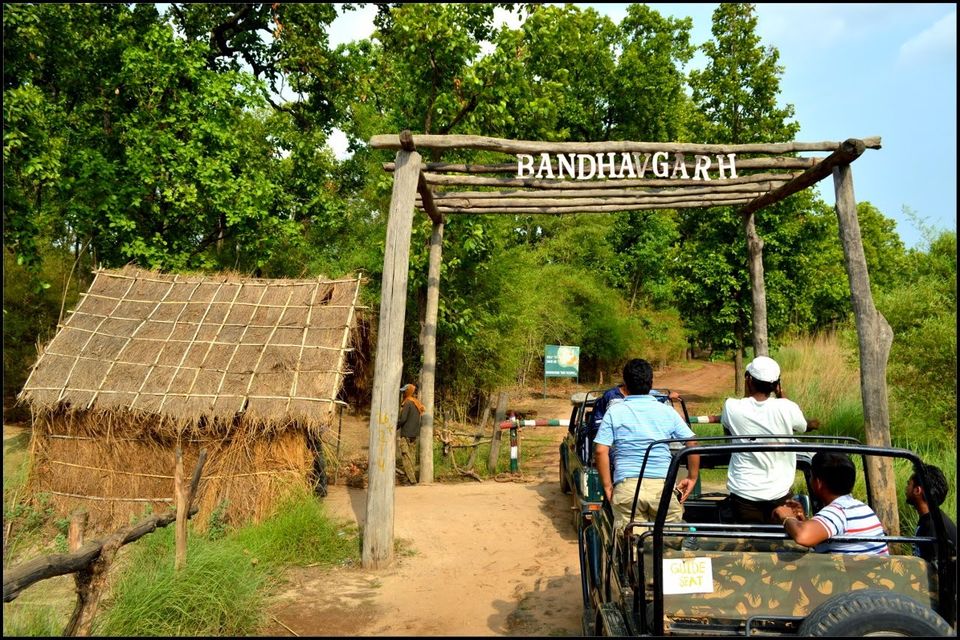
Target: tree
(736, 98)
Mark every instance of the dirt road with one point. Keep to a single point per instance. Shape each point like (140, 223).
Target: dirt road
(479, 559)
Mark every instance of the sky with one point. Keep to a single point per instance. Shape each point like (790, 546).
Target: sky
(850, 71)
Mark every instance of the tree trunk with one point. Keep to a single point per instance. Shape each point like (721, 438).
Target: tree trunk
(757, 286)
(875, 338)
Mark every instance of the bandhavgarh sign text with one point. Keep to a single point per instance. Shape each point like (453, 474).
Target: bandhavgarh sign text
(660, 164)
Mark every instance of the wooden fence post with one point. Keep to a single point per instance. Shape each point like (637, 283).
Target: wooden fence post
(499, 417)
(180, 495)
(78, 523)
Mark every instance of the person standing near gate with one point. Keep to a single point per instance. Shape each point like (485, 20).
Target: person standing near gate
(408, 424)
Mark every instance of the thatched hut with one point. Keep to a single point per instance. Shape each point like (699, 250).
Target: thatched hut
(249, 369)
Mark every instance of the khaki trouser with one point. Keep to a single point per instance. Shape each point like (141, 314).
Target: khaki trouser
(647, 502)
(408, 458)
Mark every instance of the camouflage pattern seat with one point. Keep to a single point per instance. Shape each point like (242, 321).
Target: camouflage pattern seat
(790, 583)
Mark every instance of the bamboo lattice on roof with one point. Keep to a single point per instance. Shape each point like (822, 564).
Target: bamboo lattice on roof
(194, 348)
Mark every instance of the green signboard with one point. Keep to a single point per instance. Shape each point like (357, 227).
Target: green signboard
(561, 361)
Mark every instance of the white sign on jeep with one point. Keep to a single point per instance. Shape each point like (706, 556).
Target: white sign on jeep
(687, 575)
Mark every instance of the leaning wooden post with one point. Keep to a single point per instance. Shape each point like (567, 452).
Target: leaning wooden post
(875, 338)
(757, 287)
(378, 529)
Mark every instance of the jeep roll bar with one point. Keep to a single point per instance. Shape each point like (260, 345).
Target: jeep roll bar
(946, 585)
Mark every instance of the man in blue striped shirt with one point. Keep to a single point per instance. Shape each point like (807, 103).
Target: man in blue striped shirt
(832, 476)
(628, 428)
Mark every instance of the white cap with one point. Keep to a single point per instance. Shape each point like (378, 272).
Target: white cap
(764, 369)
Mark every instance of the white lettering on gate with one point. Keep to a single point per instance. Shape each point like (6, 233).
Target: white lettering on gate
(584, 166)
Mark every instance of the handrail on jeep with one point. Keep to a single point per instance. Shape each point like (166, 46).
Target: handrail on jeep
(798, 443)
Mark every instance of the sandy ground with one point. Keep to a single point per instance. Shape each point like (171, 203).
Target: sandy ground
(477, 559)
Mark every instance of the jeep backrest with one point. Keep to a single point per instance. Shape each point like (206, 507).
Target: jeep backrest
(790, 583)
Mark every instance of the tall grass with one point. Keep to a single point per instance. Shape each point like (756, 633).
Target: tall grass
(224, 586)
(39, 620)
(820, 375)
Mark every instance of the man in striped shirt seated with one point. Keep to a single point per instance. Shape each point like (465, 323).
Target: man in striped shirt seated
(832, 476)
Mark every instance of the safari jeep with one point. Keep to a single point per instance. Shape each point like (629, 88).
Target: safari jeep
(578, 476)
(704, 577)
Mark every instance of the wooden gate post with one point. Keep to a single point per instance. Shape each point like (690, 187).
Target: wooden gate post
(761, 345)
(428, 376)
(875, 338)
(384, 405)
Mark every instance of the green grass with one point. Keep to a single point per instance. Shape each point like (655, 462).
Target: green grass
(821, 376)
(39, 620)
(226, 581)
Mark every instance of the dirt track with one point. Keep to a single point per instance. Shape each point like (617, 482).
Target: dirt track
(491, 558)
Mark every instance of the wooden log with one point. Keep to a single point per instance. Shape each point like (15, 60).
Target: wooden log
(22, 576)
(378, 531)
(875, 337)
(757, 286)
(849, 151)
(774, 162)
(500, 414)
(698, 189)
(429, 372)
(686, 204)
(437, 179)
(16, 579)
(639, 198)
(503, 145)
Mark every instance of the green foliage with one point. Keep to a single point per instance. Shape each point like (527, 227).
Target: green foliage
(736, 93)
(921, 308)
(298, 533)
(217, 524)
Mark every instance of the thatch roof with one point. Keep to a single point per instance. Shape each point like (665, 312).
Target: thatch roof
(189, 347)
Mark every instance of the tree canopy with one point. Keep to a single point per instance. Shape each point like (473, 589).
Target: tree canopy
(199, 139)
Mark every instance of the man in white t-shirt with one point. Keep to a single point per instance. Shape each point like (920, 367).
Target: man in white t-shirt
(759, 482)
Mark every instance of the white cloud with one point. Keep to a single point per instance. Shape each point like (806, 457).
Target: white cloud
(935, 44)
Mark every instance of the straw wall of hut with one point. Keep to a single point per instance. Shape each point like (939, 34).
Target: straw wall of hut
(249, 369)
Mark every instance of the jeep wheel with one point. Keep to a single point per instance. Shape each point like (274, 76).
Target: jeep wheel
(873, 612)
(564, 482)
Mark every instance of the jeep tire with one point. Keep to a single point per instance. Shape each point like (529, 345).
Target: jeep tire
(873, 612)
(564, 482)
